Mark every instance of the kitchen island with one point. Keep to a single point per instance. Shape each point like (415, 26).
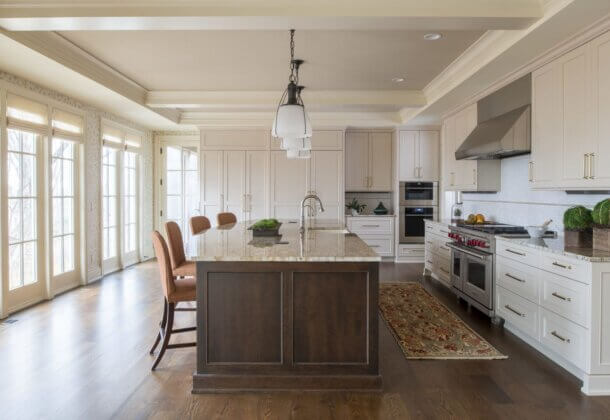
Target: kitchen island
(293, 312)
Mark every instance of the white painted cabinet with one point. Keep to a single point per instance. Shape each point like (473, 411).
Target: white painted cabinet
(368, 161)
(570, 125)
(465, 175)
(418, 155)
(376, 231)
(234, 181)
(292, 179)
(437, 256)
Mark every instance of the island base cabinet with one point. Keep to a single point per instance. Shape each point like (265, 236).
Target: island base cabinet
(287, 326)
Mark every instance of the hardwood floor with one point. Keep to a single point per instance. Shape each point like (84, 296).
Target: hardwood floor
(84, 355)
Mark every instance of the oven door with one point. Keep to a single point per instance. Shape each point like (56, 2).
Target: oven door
(478, 277)
(456, 268)
(419, 193)
(412, 226)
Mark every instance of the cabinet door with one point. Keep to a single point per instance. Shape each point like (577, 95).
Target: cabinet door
(448, 150)
(356, 161)
(234, 176)
(211, 183)
(600, 69)
(576, 118)
(288, 185)
(408, 156)
(465, 177)
(547, 125)
(257, 164)
(428, 155)
(327, 140)
(325, 173)
(380, 166)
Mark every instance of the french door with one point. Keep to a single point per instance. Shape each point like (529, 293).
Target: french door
(179, 186)
(130, 209)
(110, 203)
(25, 218)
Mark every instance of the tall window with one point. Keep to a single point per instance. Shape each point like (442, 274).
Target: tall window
(120, 214)
(23, 202)
(63, 202)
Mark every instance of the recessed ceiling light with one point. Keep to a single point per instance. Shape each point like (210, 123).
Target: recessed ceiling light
(398, 79)
(432, 36)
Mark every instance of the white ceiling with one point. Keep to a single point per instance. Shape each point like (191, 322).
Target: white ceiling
(258, 60)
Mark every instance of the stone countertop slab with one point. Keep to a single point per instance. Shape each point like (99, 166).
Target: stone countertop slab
(557, 246)
(323, 241)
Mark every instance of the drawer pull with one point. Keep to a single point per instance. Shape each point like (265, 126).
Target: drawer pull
(370, 226)
(444, 231)
(514, 278)
(514, 311)
(515, 252)
(554, 334)
(375, 246)
(567, 267)
(430, 242)
(558, 296)
(429, 262)
(443, 270)
(444, 248)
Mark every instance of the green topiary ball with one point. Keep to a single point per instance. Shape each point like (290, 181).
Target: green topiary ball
(601, 213)
(577, 218)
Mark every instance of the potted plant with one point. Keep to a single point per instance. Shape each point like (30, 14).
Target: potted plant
(355, 207)
(577, 226)
(601, 225)
(266, 227)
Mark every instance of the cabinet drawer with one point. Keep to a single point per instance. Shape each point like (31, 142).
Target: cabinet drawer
(517, 253)
(371, 226)
(518, 311)
(564, 337)
(437, 229)
(565, 297)
(415, 250)
(441, 247)
(572, 268)
(517, 278)
(443, 266)
(381, 245)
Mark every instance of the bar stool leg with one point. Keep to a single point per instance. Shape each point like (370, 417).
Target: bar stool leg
(166, 334)
(161, 327)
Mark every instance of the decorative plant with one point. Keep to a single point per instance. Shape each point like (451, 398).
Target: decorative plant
(577, 218)
(355, 205)
(601, 214)
(266, 224)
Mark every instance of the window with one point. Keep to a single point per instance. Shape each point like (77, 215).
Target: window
(23, 202)
(130, 225)
(109, 202)
(63, 205)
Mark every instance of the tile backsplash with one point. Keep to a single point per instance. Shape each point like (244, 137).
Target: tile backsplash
(371, 200)
(518, 204)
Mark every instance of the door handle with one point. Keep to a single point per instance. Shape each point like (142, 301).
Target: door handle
(585, 166)
(591, 169)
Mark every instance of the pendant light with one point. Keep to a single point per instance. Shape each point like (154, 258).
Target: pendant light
(291, 122)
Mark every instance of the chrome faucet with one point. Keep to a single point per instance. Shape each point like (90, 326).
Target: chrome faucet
(303, 205)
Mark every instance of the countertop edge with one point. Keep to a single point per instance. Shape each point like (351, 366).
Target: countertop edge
(548, 250)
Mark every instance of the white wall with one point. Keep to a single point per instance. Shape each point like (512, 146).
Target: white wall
(92, 164)
(517, 204)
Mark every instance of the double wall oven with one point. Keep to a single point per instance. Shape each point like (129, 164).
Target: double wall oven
(418, 202)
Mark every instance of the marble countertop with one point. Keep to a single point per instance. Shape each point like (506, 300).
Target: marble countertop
(323, 241)
(557, 246)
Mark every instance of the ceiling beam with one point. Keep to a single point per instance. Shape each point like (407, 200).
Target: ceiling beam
(267, 14)
(269, 99)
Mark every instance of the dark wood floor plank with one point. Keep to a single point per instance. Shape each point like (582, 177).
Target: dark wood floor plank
(85, 355)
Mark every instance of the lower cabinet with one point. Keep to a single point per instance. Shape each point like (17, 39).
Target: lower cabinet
(411, 253)
(437, 258)
(376, 231)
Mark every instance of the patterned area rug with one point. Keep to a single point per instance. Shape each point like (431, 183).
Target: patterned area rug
(426, 329)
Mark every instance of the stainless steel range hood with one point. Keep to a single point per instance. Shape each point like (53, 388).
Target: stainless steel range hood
(503, 127)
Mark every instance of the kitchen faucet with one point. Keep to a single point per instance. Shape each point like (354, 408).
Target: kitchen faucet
(303, 205)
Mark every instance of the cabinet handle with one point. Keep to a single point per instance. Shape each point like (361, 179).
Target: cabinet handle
(474, 177)
(567, 267)
(558, 296)
(591, 169)
(429, 262)
(442, 269)
(428, 242)
(374, 246)
(531, 171)
(415, 171)
(565, 340)
(585, 166)
(452, 178)
(515, 252)
(444, 248)
(370, 226)
(514, 311)
(445, 231)
(514, 278)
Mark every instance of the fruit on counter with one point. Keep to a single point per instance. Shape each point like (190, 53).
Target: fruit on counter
(601, 213)
(472, 219)
(480, 219)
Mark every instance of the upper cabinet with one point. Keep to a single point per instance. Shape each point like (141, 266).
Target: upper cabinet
(368, 161)
(465, 175)
(418, 153)
(570, 124)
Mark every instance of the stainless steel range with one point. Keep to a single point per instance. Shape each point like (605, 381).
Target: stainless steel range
(473, 250)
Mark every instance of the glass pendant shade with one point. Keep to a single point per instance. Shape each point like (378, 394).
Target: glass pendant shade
(291, 121)
(296, 144)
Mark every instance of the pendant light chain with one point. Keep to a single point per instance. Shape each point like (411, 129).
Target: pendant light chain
(294, 75)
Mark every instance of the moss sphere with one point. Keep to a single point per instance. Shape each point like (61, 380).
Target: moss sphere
(577, 218)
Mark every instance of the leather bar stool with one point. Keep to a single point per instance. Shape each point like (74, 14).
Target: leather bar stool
(226, 218)
(174, 291)
(199, 224)
(180, 266)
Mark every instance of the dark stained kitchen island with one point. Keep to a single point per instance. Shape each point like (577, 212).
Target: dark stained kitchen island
(292, 313)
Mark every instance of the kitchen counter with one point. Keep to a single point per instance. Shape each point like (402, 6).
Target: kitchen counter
(557, 246)
(298, 312)
(323, 241)
(371, 215)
